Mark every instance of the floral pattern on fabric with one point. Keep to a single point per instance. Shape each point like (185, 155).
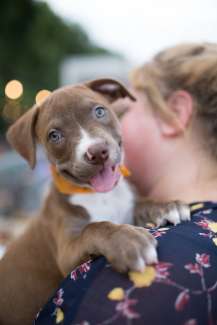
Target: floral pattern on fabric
(180, 289)
(210, 228)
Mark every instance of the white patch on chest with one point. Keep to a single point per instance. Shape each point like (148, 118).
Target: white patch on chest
(115, 206)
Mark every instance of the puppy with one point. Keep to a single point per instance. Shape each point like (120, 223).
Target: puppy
(90, 208)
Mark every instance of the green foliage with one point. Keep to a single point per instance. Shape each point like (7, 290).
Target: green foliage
(33, 43)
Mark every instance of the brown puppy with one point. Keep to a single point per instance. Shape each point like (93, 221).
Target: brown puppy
(81, 137)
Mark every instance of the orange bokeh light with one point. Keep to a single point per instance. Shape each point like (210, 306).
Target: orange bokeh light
(42, 95)
(14, 89)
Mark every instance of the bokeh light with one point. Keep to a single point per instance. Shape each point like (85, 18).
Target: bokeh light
(42, 95)
(14, 89)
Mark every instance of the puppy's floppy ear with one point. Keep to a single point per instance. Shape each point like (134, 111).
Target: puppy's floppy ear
(110, 88)
(21, 135)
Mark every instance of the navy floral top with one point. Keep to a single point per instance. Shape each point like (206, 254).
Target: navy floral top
(180, 290)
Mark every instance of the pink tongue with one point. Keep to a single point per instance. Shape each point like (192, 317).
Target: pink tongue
(105, 180)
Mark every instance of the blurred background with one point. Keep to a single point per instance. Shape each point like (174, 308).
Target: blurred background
(46, 44)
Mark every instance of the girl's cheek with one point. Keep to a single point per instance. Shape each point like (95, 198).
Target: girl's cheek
(141, 142)
(135, 131)
(134, 140)
(128, 128)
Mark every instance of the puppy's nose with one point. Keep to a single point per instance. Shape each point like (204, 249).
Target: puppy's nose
(97, 154)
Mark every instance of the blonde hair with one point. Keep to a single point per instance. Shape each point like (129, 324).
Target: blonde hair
(191, 67)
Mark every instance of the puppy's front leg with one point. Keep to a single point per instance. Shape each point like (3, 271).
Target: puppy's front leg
(158, 214)
(126, 247)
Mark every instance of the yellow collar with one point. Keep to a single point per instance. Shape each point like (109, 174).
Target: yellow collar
(67, 187)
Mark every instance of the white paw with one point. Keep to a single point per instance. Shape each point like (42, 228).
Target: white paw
(185, 212)
(148, 256)
(140, 264)
(134, 249)
(177, 213)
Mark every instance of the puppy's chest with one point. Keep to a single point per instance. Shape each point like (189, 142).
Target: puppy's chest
(116, 206)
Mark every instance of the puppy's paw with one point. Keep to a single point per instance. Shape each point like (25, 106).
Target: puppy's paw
(158, 214)
(175, 212)
(131, 248)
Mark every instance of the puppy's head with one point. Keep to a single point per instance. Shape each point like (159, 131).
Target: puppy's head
(79, 131)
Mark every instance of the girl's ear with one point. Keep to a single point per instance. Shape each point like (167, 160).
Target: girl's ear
(180, 105)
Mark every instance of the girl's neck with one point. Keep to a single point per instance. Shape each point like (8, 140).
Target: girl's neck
(190, 178)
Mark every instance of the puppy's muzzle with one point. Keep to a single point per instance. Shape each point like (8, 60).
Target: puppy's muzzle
(97, 154)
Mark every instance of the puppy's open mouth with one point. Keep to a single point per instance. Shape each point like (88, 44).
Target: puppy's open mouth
(104, 180)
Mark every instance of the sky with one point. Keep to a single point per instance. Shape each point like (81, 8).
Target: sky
(140, 28)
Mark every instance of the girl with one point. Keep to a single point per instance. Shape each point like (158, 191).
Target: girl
(170, 138)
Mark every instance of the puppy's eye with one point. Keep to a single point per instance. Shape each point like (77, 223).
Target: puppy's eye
(55, 136)
(100, 112)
